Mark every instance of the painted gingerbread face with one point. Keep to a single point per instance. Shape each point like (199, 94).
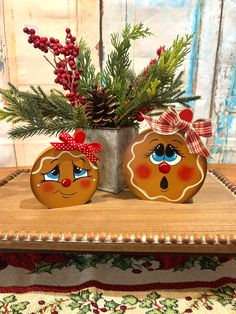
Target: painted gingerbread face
(161, 168)
(63, 178)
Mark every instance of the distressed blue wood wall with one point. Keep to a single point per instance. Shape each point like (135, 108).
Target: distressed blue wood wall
(210, 69)
(223, 101)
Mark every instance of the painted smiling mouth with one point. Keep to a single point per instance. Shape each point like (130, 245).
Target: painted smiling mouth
(164, 184)
(66, 195)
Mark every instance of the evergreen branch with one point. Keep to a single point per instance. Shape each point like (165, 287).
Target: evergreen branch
(56, 91)
(48, 128)
(118, 61)
(159, 85)
(154, 103)
(38, 110)
(22, 105)
(136, 32)
(88, 78)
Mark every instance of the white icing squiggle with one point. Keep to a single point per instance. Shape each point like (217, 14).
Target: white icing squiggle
(51, 158)
(160, 196)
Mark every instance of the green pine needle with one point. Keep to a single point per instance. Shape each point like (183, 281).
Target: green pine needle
(116, 72)
(40, 113)
(159, 85)
(88, 78)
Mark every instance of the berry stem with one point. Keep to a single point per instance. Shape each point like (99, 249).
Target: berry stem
(72, 82)
(49, 62)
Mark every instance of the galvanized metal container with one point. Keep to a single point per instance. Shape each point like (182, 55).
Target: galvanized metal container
(114, 143)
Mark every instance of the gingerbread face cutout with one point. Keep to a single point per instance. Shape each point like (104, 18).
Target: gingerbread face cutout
(161, 168)
(66, 174)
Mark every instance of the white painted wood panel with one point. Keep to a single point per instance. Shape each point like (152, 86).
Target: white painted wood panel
(7, 153)
(211, 14)
(223, 145)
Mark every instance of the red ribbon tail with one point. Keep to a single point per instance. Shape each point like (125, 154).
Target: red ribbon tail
(195, 144)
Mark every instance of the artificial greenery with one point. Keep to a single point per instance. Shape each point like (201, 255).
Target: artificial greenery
(117, 75)
(159, 85)
(89, 77)
(39, 113)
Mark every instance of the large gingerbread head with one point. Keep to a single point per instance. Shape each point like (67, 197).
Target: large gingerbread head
(66, 174)
(168, 161)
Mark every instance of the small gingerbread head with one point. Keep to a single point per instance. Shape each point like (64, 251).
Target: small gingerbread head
(66, 174)
(168, 161)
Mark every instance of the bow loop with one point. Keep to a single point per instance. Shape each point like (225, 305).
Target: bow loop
(77, 143)
(170, 122)
(203, 127)
(184, 126)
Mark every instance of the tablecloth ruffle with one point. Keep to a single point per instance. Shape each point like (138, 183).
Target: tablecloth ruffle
(113, 283)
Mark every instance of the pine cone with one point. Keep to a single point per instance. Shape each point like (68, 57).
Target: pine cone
(100, 107)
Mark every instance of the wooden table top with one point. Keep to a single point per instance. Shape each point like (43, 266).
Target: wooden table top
(122, 223)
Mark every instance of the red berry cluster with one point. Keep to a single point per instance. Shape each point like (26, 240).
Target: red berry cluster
(64, 57)
(153, 61)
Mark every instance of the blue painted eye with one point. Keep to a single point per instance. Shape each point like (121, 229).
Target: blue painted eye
(171, 155)
(52, 175)
(157, 155)
(80, 172)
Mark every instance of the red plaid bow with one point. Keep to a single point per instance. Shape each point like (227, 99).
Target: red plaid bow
(170, 122)
(77, 143)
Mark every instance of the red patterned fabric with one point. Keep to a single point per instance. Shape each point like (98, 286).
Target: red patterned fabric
(77, 143)
(170, 122)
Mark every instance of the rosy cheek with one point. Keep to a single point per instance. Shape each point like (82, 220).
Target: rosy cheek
(143, 171)
(186, 173)
(85, 183)
(48, 187)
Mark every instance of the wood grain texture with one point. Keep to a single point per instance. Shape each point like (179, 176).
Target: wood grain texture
(207, 54)
(223, 102)
(121, 222)
(7, 156)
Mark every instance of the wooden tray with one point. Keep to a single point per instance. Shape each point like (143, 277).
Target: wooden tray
(121, 222)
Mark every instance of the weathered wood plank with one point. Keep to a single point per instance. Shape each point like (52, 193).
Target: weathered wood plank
(211, 14)
(7, 156)
(166, 20)
(87, 20)
(223, 97)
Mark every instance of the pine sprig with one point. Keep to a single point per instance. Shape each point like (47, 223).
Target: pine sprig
(49, 127)
(159, 85)
(115, 75)
(135, 32)
(40, 113)
(88, 78)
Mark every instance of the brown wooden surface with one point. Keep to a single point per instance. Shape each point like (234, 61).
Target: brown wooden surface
(120, 222)
(229, 171)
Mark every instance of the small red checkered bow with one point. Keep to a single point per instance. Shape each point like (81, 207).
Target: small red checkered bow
(171, 122)
(77, 143)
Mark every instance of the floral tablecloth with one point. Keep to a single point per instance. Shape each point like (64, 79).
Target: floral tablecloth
(113, 283)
